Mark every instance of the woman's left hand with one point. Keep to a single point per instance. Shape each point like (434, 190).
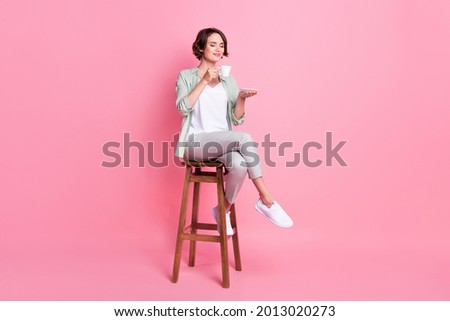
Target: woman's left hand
(247, 93)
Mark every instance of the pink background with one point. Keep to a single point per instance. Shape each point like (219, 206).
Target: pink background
(76, 74)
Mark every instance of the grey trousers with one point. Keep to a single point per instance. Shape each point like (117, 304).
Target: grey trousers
(235, 149)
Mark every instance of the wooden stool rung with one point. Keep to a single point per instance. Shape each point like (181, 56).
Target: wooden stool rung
(203, 178)
(201, 237)
(201, 226)
(207, 226)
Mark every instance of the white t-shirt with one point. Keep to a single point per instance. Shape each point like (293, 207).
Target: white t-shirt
(210, 111)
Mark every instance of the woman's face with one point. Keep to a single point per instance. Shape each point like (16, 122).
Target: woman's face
(214, 49)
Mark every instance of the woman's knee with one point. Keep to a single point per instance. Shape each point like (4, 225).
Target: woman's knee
(236, 164)
(245, 138)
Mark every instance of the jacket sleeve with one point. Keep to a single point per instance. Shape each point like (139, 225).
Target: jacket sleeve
(182, 90)
(234, 93)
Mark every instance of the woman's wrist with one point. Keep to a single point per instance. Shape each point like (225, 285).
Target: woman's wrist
(203, 82)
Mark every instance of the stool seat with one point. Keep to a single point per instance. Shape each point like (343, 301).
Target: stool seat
(196, 173)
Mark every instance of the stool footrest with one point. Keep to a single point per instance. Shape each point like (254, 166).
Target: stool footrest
(207, 226)
(200, 237)
(201, 226)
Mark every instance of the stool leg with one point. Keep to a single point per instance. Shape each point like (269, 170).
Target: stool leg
(194, 222)
(237, 253)
(181, 224)
(223, 232)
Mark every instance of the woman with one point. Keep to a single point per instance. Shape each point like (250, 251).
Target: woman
(210, 104)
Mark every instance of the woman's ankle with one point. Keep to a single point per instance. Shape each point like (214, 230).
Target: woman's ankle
(267, 200)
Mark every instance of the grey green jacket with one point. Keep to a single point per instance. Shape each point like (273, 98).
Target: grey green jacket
(187, 80)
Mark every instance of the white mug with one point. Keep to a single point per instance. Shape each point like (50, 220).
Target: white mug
(225, 71)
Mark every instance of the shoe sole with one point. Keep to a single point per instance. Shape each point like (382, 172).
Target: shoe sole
(270, 219)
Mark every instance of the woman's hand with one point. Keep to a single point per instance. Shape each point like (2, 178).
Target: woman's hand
(211, 74)
(239, 110)
(247, 93)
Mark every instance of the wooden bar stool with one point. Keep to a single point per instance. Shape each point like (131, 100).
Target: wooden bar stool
(199, 175)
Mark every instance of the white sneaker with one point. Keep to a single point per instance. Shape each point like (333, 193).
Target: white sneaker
(215, 213)
(275, 214)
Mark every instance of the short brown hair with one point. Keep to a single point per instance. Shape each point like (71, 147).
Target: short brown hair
(202, 37)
